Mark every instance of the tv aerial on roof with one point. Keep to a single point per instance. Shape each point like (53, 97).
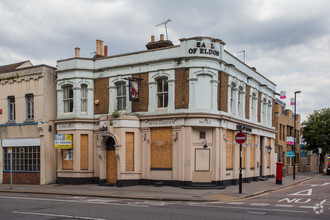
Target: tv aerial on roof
(164, 23)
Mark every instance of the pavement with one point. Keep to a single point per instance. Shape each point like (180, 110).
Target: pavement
(163, 193)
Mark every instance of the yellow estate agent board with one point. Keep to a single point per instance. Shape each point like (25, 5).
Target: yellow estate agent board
(63, 141)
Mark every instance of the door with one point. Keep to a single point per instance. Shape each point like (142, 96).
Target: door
(111, 162)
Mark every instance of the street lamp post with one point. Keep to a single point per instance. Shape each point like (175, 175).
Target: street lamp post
(294, 130)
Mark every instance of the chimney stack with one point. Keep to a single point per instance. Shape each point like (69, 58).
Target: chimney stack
(105, 51)
(162, 37)
(98, 49)
(101, 48)
(152, 38)
(77, 52)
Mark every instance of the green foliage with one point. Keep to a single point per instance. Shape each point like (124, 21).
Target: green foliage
(116, 113)
(316, 131)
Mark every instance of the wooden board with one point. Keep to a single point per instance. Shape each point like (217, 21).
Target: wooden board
(67, 158)
(243, 156)
(229, 149)
(111, 167)
(84, 152)
(129, 151)
(252, 150)
(161, 147)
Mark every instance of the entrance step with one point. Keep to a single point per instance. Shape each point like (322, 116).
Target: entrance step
(263, 179)
(202, 186)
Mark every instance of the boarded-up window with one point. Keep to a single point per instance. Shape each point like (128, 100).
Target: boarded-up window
(84, 152)
(161, 148)
(129, 151)
(252, 151)
(230, 149)
(243, 155)
(67, 159)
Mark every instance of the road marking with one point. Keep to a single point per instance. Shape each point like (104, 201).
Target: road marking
(258, 213)
(324, 184)
(55, 215)
(318, 208)
(306, 207)
(284, 205)
(263, 209)
(73, 201)
(259, 204)
(235, 203)
(308, 193)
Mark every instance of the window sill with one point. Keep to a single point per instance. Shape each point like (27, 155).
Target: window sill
(29, 120)
(11, 122)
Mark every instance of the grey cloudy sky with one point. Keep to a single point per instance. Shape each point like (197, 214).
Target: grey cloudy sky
(287, 41)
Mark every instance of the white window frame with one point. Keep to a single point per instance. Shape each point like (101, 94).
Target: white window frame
(67, 99)
(121, 96)
(84, 98)
(29, 101)
(11, 109)
(162, 93)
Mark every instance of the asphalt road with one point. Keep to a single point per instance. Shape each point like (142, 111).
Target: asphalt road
(310, 200)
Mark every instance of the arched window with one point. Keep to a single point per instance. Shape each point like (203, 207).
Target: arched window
(121, 96)
(240, 102)
(233, 98)
(162, 92)
(68, 98)
(84, 98)
(254, 106)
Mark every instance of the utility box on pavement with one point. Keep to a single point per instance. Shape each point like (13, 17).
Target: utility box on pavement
(279, 169)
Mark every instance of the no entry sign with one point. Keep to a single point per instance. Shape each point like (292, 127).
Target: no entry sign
(240, 138)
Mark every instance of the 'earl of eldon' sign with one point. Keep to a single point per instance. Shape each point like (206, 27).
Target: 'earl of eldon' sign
(204, 48)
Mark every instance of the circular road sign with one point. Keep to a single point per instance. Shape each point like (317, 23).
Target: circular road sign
(240, 138)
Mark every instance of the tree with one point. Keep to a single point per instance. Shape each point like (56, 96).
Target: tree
(316, 131)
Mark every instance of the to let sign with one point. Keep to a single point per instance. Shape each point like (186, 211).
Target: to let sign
(240, 138)
(63, 141)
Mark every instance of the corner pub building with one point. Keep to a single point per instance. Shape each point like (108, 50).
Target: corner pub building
(190, 101)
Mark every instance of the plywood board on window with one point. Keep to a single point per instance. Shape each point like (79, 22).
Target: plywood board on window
(67, 159)
(243, 155)
(230, 149)
(84, 152)
(252, 150)
(111, 167)
(129, 151)
(161, 147)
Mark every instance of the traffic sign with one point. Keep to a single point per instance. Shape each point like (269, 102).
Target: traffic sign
(240, 138)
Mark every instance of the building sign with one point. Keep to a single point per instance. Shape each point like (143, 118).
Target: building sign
(289, 154)
(283, 95)
(290, 140)
(204, 48)
(162, 122)
(243, 128)
(63, 141)
(133, 90)
(292, 101)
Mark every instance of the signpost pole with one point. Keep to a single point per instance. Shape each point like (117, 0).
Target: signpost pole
(240, 138)
(240, 169)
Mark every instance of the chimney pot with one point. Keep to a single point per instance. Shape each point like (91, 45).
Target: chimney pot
(101, 48)
(162, 37)
(98, 45)
(77, 52)
(152, 38)
(105, 51)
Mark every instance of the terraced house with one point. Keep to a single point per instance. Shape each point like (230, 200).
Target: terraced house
(27, 108)
(166, 115)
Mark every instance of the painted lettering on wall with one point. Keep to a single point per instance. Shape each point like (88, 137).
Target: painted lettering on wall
(204, 48)
(162, 122)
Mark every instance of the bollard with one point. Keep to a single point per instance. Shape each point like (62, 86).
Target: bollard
(279, 167)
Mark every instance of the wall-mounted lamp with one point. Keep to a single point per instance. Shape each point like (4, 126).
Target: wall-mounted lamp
(205, 145)
(97, 102)
(175, 136)
(269, 149)
(104, 131)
